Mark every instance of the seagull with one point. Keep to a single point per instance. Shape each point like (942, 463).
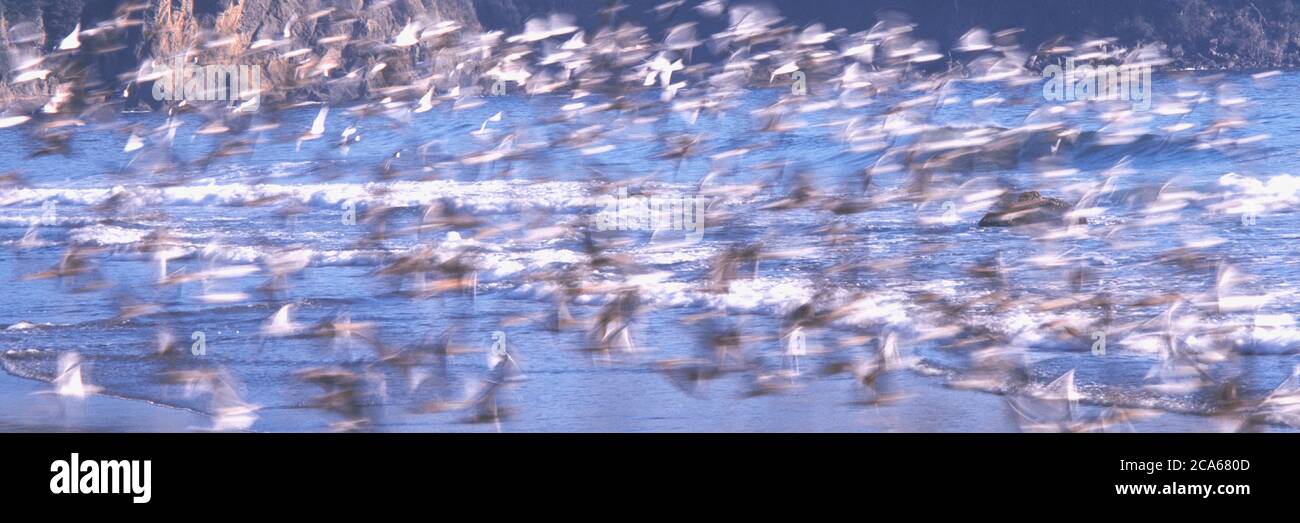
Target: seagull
(1052, 408)
(72, 41)
(409, 36)
(426, 102)
(68, 383)
(280, 325)
(662, 69)
(317, 127)
(483, 129)
(789, 68)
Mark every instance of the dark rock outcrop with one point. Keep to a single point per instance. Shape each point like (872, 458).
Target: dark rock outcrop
(154, 32)
(1029, 208)
(1198, 33)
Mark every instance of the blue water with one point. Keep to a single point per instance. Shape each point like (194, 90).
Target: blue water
(229, 211)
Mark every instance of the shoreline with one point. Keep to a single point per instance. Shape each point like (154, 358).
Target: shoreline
(25, 408)
(925, 406)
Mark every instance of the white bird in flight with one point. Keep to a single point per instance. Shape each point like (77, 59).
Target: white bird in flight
(69, 382)
(72, 41)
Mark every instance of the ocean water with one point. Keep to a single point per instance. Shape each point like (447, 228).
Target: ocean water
(1161, 182)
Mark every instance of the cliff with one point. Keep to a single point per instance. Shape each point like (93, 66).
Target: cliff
(299, 38)
(212, 30)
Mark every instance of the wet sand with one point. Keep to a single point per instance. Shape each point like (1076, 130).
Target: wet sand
(24, 407)
(924, 406)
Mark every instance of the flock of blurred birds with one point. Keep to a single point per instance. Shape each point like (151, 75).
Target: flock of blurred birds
(879, 89)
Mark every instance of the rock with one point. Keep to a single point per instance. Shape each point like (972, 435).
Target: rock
(160, 30)
(1030, 207)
